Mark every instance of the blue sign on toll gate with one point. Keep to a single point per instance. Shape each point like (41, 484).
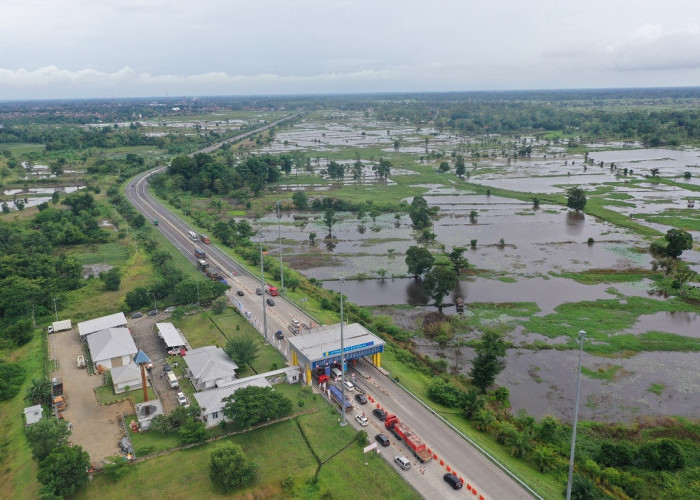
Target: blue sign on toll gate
(348, 349)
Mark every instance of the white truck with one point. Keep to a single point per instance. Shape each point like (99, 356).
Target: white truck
(59, 326)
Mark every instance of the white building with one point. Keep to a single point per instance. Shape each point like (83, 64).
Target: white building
(126, 375)
(111, 347)
(95, 325)
(33, 414)
(209, 367)
(212, 404)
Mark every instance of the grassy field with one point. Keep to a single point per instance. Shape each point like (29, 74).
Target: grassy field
(280, 452)
(107, 395)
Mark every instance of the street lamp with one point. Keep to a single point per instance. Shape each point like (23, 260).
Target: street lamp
(342, 355)
(54, 307)
(580, 338)
(262, 279)
(279, 236)
(196, 283)
(154, 301)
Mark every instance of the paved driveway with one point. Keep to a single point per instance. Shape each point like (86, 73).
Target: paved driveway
(96, 428)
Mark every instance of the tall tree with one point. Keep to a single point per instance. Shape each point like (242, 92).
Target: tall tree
(438, 282)
(229, 467)
(39, 392)
(300, 200)
(678, 241)
(458, 260)
(460, 168)
(329, 219)
(45, 435)
(418, 260)
(243, 350)
(488, 361)
(419, 213)
(576, 198)
(252, 405)
(64, 470)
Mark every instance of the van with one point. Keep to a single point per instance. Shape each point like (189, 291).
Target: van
(403, 462)
(172, 379)
(349, 386)
(336, 372)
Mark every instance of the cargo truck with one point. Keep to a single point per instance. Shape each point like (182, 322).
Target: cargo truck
(405, 434)
(337, 397)
(59, 326)
(272, 290)
(199, 253)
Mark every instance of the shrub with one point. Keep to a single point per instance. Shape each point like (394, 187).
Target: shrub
(663, 454)
(615, 454)
(444, 393)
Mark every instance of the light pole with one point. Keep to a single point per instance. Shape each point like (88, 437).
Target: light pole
(54, 307)
(580, 338)
(196, 283)
(279, 236)
(154, 301)
(342, 354)
(262, 279)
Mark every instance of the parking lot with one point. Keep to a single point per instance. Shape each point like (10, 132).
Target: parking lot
(96, 428)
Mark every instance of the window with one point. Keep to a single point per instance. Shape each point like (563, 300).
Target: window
(215, 415)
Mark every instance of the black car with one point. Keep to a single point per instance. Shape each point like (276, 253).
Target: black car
(240, 293)
(167, 368)
(270, 302)
(361, 398)
(258, 291)
(136, 315)
(279, 334)
(152, 312)
(380, 414)
(382, 439)
(453, 481)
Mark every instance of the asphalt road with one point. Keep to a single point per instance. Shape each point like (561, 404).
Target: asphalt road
(477, 470)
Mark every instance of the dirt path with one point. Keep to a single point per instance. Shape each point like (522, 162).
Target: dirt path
(96, 428)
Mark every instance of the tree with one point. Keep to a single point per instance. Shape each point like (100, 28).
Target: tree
(473, 216)
(64, 470)
(45, 435)
(112, 279)
(5, 208)
(219, 305)
(300, 200)
(383, 169)
(20, 332)
(374, 213)
(11, 379)
(438, 282)
(336, 170)
(488, 361)
(243, 350)
(229, 467)
(678, 241)
(312, 238)
(292, 282)
(576, 198)
(457, 259)
(193, 432)
(460, 168)
(544, 458)
(418, 260)
(654, 172)
(329, 219)
(419, 213)
(484, 419)
(161, 423)
(39, 392)
(583, 488)
(252, 405)
(471, 403)
(443, 392)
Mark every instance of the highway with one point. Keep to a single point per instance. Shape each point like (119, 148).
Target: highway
(489, 480)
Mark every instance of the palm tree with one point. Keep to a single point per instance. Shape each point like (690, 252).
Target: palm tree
(520, 443)
(544, 458)
(484, 420)
(39, 392)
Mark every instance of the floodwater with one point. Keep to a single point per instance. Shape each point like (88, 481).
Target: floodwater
(679, 322)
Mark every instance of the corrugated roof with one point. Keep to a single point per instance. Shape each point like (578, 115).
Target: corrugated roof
(321, 342)
(211, 399)
(210, 363)
(170, 335)
(126, 373)
(97, 324)
(111, 343)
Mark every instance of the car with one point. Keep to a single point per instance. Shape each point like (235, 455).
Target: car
(361, 398)
(240, 293)
(152, 312)
(182, 400)
(167, 368)
(349, 385)
(136, 315)
(270, 302)
(258, 291)
(362, 420)
(279, 334)
(452, 480)
(170, 309)
(382, 439)
(403, 462)
(380, 414)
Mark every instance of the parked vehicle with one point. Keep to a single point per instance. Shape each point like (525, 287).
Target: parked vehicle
(279, 335)
(182, 400)
(59, 402)
(167, 368)
(199, 253)
(379, 413)
(136, 315)
(152, 312)
(272, 290)
(81, 361)
(362, 420)
(240, 293)
(56, 386)
(337, 397)
(336, 372)
(403, 462)
(405, 434)
(172, 380)
(453, 481)
(270, 302)
(382, 439)
(170, 309)
(205, 239)
(361, 398)
(59, 326)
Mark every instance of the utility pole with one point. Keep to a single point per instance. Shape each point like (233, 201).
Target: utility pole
(580, 338)
(154, 301)
(342, 354)
(262, 279)
(54, 307)
(279, 235)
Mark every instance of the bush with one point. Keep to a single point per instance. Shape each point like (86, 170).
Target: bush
(615, 454)
(663, 454)
(444, 393)
(229, 467)
(11, 380)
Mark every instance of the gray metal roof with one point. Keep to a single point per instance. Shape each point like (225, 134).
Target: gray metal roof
(211, 400)
(324, 342)
(97, 324)
(210, 363)
(111, 343)
(126, 373)
(170, 335)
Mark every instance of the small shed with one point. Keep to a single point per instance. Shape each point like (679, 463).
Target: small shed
(32, 414)
(126, 376)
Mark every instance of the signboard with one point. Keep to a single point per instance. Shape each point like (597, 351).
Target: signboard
(370, 447)
(348, 349)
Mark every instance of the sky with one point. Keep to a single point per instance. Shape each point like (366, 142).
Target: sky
(128, 48)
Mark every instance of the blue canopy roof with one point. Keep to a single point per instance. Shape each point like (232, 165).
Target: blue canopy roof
(141, 357)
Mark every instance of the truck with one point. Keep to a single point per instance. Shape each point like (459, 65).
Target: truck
(59, 326)
(202, 264)
(56, 387)
(272, 290)
(199, 253)
(155, 222)
(405, 434)
(337, 397)
(205, 239)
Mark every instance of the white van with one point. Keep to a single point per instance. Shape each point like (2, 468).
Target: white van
(336, 372)
(349, 386)
(172, 379)
(402, 462)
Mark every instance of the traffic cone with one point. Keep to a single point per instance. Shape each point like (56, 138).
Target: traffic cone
(442, 462)
(461, 480)
(448, 469)
(481, 497)
(434, 456)
(474, 491)
(469, 487)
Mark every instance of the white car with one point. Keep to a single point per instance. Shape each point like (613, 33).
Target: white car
(170, 309)
(362, 420)
(182, 399)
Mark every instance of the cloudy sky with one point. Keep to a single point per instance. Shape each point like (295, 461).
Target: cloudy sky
(123, 48)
